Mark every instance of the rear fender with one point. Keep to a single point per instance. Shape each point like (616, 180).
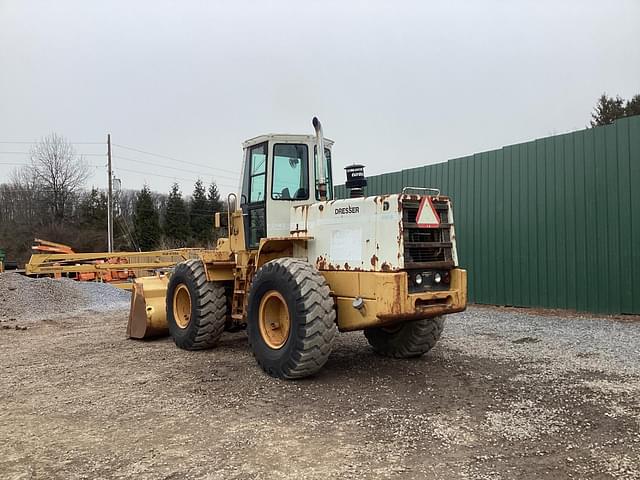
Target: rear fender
(278, 247)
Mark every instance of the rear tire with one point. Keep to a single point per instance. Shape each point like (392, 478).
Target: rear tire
(291, 318)
(407, 340)
(196, 308)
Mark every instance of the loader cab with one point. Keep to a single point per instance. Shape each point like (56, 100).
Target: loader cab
(279, 172)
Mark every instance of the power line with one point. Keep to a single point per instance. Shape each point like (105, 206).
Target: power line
(10, 189)
(174, 168)
(77, 154)
(37, 141)
(170, 176)
(175, 159)
(29, 164)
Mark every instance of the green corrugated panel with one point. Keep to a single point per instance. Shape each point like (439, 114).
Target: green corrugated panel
(541, 215)
(531, 219)
(482, 212)
(559, 218)
(593, 279)
(581, 232)
(602, 207)
(634, 181)
(499, 210)
(624, 199)
(613, 219)
(551, 223)
(492, 272)
(551, 255)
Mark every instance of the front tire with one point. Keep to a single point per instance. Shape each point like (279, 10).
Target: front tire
(291, 320)
(196, 308)
(407, 340)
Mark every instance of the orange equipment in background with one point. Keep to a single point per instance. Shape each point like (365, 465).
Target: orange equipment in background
(120, 268)
(45, 246)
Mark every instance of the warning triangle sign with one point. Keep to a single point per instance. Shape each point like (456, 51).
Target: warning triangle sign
(427, 216)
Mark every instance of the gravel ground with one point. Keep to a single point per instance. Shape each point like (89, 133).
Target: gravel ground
(25, 298)
(506, 394)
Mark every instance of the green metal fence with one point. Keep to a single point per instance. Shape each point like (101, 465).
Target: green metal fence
(551, 223)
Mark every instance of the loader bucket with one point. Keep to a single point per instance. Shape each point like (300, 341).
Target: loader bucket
(147, 316)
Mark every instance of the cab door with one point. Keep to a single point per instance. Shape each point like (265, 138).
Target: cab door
(288, 180)
(253, 201)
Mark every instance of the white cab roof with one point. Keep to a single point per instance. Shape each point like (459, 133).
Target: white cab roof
(284, 138)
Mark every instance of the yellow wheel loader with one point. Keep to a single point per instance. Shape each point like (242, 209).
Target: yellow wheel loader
(299, 266)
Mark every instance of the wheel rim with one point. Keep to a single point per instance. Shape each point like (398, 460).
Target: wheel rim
(182, 306)
(274, 322)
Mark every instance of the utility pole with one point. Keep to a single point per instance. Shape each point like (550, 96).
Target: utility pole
(109, 198)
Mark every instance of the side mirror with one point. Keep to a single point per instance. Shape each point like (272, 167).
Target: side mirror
(220, 220)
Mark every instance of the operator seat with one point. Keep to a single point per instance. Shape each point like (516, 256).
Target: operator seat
(285, 195)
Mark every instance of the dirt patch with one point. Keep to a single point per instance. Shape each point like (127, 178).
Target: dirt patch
(80, 400)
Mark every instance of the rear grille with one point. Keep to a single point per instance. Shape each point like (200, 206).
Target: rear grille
(427, 247)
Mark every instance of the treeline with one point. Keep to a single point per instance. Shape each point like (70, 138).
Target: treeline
(47, 199)
(609, 109)
(170, 221)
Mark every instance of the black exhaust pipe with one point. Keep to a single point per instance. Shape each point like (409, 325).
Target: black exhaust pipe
(356, 180)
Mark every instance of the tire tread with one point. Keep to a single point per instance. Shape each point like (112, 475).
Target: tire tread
(211, 309)
(412, 340)
(315, 338)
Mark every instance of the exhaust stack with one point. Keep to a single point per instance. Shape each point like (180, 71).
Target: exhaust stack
(322, 178)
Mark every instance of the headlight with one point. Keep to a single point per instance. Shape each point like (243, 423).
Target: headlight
(418, 279)
(437, 278)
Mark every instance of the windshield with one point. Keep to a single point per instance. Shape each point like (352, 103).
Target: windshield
(290, 180)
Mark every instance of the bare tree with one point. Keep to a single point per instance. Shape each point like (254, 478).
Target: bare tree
(28, 199)
(58, 171)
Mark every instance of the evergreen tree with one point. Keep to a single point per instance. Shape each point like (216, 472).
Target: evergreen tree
(215, 205)
(93, 210)
(607, 110)
(176, 218)
(201, 215)
(633, 106)
(146, 222)
(92, 220)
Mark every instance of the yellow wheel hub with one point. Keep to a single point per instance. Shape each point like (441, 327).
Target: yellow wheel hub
(182, 306)
(274, 322)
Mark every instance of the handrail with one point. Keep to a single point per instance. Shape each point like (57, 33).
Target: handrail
(424, 189)
(229, 210)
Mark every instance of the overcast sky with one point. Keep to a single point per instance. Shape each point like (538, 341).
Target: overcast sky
(396, 84)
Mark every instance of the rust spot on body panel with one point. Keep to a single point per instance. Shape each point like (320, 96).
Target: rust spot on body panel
(374, 261)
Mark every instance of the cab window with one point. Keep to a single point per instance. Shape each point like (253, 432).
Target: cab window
(257, 173)
(327, 172)
(290, 179)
